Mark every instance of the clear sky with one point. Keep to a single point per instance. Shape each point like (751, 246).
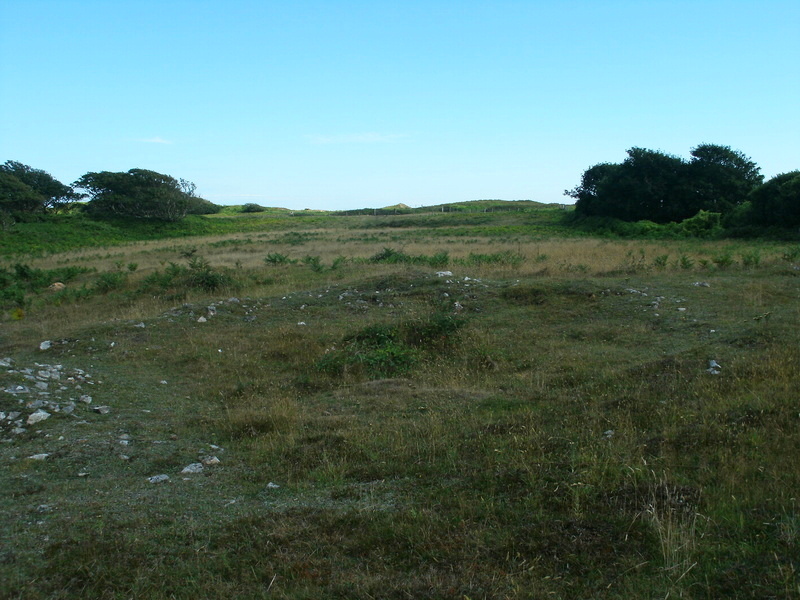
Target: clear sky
(342, 104)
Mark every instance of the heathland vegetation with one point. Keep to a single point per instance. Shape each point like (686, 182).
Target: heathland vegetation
(484, 400)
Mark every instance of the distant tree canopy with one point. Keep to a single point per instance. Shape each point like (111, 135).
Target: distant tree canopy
(29, 190)
(137, 193)
(652, 185)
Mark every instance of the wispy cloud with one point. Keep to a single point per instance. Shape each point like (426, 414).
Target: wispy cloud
(356, 138)
(154, 140)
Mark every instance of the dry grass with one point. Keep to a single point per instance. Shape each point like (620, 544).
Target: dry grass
(563, 441)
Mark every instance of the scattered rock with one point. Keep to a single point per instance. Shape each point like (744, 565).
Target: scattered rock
(45, 345)
(103, 410)
(202, 320)
(158, 478)
(39, 456)
(56, 287)
(210, 460)
(714, 367)
(444, 273)
(193, 468)
(36, 417)
(272, 486)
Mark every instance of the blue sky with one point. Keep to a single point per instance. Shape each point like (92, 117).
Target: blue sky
(343, 104)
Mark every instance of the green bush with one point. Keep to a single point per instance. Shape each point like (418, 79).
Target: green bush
(276, 258)
(107, 282)
(315, 262)
(723, 261)
(751, 258)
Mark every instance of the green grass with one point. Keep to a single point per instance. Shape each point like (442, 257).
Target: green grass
(522, 428)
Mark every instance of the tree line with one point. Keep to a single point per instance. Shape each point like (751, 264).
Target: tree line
(655, 186)
(137, 193)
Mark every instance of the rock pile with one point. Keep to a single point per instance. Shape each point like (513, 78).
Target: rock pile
(30, 395)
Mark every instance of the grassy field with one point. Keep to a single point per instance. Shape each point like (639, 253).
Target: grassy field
(458, 405)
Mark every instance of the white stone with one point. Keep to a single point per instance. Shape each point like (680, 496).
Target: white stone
(272, 486)
(39, 456)
(202, 320)
(158, 478)
(193, 468)
(45, 345)
(444, 273)
(85, 399)
(39, 415)
(211, 460)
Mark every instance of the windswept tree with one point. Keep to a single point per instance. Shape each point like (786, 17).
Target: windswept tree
(16, 196)
(52, 195)
(138, 193)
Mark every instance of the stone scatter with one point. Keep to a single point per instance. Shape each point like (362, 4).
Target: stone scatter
(37, 393)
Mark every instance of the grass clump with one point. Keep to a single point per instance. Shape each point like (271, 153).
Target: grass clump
(390, 350)
(506, 257)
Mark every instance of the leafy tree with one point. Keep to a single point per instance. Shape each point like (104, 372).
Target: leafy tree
(587, 194)
(647, 185)
(138, 193)
(16, 195)
(659, 187)
(722, 178)
(777, 202)
(53, 195)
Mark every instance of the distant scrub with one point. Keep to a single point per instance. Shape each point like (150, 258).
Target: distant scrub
(176, 279)
(22, 280)
(394, 257)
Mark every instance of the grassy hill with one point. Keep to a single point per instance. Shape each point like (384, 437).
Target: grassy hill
(425, 405)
